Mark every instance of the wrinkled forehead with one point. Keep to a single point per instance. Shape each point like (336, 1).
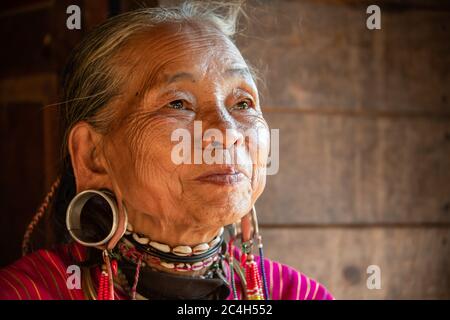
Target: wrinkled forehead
(192, 47)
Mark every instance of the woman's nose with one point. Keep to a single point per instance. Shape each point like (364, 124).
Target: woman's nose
(226, 138)
(222, 133)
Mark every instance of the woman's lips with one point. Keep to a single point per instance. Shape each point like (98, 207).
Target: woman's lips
(223, 177)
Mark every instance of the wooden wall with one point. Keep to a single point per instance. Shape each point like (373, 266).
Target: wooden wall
(364, 123)
(364, 126)
(35, 46)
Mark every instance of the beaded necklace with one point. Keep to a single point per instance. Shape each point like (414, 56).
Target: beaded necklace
(145, 252)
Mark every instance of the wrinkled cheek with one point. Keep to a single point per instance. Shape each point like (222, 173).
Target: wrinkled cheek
(259, 153)
(150, 159)
(259, 147)
(259, 182)
(151, 163)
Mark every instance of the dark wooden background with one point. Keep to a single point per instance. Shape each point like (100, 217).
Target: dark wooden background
(364, 121)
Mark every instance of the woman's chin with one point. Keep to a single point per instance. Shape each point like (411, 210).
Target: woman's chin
(223, 210)
(219, 218)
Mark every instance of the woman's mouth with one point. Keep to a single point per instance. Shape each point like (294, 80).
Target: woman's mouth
(224, 176)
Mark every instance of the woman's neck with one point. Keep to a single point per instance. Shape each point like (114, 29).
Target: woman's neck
(172, 233)
(181, 242)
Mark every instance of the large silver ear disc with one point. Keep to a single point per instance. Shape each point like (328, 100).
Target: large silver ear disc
(92, 217)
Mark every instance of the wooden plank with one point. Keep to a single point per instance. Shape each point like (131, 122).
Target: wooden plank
(341, 169)
(394, 5)
(33, 88)
(40, 90)
(414, 262)
(27, 43)
(11, 7)
(62, 39)
(36, 40)
(320, 55)
(95, 13)
(22, 175)
(128, 5)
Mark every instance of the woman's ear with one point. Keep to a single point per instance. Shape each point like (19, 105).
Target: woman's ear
(88, 162)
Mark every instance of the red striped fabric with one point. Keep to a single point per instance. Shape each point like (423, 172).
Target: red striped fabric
(39, 276)
(285, 283)
(42, 276)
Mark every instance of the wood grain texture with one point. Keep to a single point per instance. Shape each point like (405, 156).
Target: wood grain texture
(364, 128)
(320, 55)
(26, 43)
(22, 176)
(414, 262)
(37, 44)
(33, 88)
(341, 169)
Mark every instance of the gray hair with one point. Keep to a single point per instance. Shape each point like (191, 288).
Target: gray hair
(90, 81)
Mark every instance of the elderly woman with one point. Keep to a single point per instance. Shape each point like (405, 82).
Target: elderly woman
(134, 216)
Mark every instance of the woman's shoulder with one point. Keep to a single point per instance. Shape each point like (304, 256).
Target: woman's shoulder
(287, 283)
(41, 275)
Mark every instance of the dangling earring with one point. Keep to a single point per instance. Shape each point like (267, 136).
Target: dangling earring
(113, 224)
(232, 229)
(256, 289)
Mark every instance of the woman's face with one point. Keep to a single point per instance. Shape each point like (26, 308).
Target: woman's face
(180, 75)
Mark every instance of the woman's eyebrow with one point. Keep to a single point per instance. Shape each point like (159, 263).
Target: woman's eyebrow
(178, 76)
(166, 79)
(238, 71)
(232, 72)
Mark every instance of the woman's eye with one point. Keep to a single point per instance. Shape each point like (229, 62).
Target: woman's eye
(176, 104)
(242, 105)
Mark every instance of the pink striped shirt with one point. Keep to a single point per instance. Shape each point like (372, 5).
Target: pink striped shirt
(42, 276)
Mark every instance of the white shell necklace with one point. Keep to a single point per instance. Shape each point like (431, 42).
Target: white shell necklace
(180, 250)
